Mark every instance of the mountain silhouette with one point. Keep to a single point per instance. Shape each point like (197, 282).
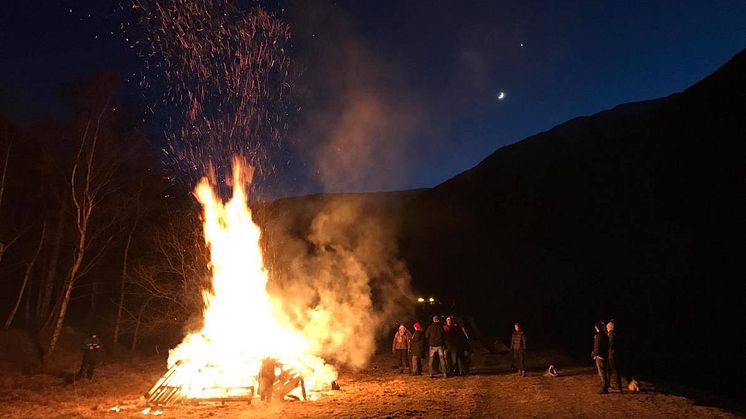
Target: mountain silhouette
(635, 213)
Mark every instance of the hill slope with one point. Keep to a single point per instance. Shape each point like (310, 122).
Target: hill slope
(634, 213)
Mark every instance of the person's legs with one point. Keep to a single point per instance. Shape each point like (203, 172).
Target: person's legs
(431, 355)
(458, 363)
(91, 367)
(601, 369)
(521, 362)
(444, 365)
(452, 359)
(614, 371)
(81, 371)
(403, 364)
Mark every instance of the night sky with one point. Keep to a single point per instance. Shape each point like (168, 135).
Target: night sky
(431, 71)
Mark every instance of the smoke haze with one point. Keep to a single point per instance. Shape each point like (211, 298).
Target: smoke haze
(336, 272)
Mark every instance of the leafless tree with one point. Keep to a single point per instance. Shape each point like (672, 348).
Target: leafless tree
(90, 184)
(26, 277)
(169, 287)
(125, 261)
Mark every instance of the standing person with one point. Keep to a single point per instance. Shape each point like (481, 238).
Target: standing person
(417, 348)
(400, 347)
(267, 379)
(456, 343)
(435, 340)
(600, 355)
(518, 346)
(90, 347)
(613, 356)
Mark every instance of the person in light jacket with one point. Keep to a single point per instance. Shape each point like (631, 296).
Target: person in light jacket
(400, 347)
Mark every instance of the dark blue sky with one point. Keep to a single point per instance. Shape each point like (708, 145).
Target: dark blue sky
(431, 72)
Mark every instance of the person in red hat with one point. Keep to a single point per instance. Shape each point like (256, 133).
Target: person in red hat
(417, 349)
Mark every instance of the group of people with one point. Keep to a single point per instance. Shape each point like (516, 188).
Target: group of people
(606, 356)
(448, 342)
(450, 345)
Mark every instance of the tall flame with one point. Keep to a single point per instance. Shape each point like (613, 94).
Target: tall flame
(241, 325)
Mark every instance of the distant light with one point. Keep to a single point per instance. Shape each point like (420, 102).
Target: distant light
(521, 43)
(420, 300)
(501, 96)
(432, 300)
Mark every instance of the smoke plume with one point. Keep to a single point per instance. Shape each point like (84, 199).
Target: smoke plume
(336, 271)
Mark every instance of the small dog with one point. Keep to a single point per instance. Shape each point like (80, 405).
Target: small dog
(633, 385)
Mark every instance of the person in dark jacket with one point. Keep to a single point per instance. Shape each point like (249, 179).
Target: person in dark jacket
(417, 348)
(91, 346)
(400, 347)
(435, 340)
(518, 346)
(600, 356)
(613, 360)
(456, 345)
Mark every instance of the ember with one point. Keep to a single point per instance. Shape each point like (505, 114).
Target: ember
(242, 325)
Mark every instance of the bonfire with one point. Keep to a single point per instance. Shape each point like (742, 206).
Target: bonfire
(243, 326)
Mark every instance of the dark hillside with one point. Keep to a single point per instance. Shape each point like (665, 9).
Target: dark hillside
(634, 213)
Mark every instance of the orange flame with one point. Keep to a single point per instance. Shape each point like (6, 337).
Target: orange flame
(241, 323)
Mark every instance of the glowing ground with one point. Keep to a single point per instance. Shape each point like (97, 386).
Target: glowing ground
(377, 392)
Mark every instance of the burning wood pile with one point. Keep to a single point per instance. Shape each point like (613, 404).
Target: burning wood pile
(274, 381)
(246, 347)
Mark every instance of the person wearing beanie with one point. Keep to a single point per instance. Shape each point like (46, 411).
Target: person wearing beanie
(417, 348)
(456, 347)
(435, 340)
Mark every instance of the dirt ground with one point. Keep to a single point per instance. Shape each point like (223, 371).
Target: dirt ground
(492, 391)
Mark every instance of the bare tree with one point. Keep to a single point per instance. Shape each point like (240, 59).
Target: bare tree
(169, 287)
(125, 261)
(5, 172)
(89, 182)
(26, 277)
(46, 287)
(3, 244)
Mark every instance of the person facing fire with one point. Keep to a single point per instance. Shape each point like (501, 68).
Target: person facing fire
(267, 379)
(400, 347)
(435, 340)
(600, 355)
(518, 346)
(91, 346)
(613, 356)
(456, 345)
(417, 349)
